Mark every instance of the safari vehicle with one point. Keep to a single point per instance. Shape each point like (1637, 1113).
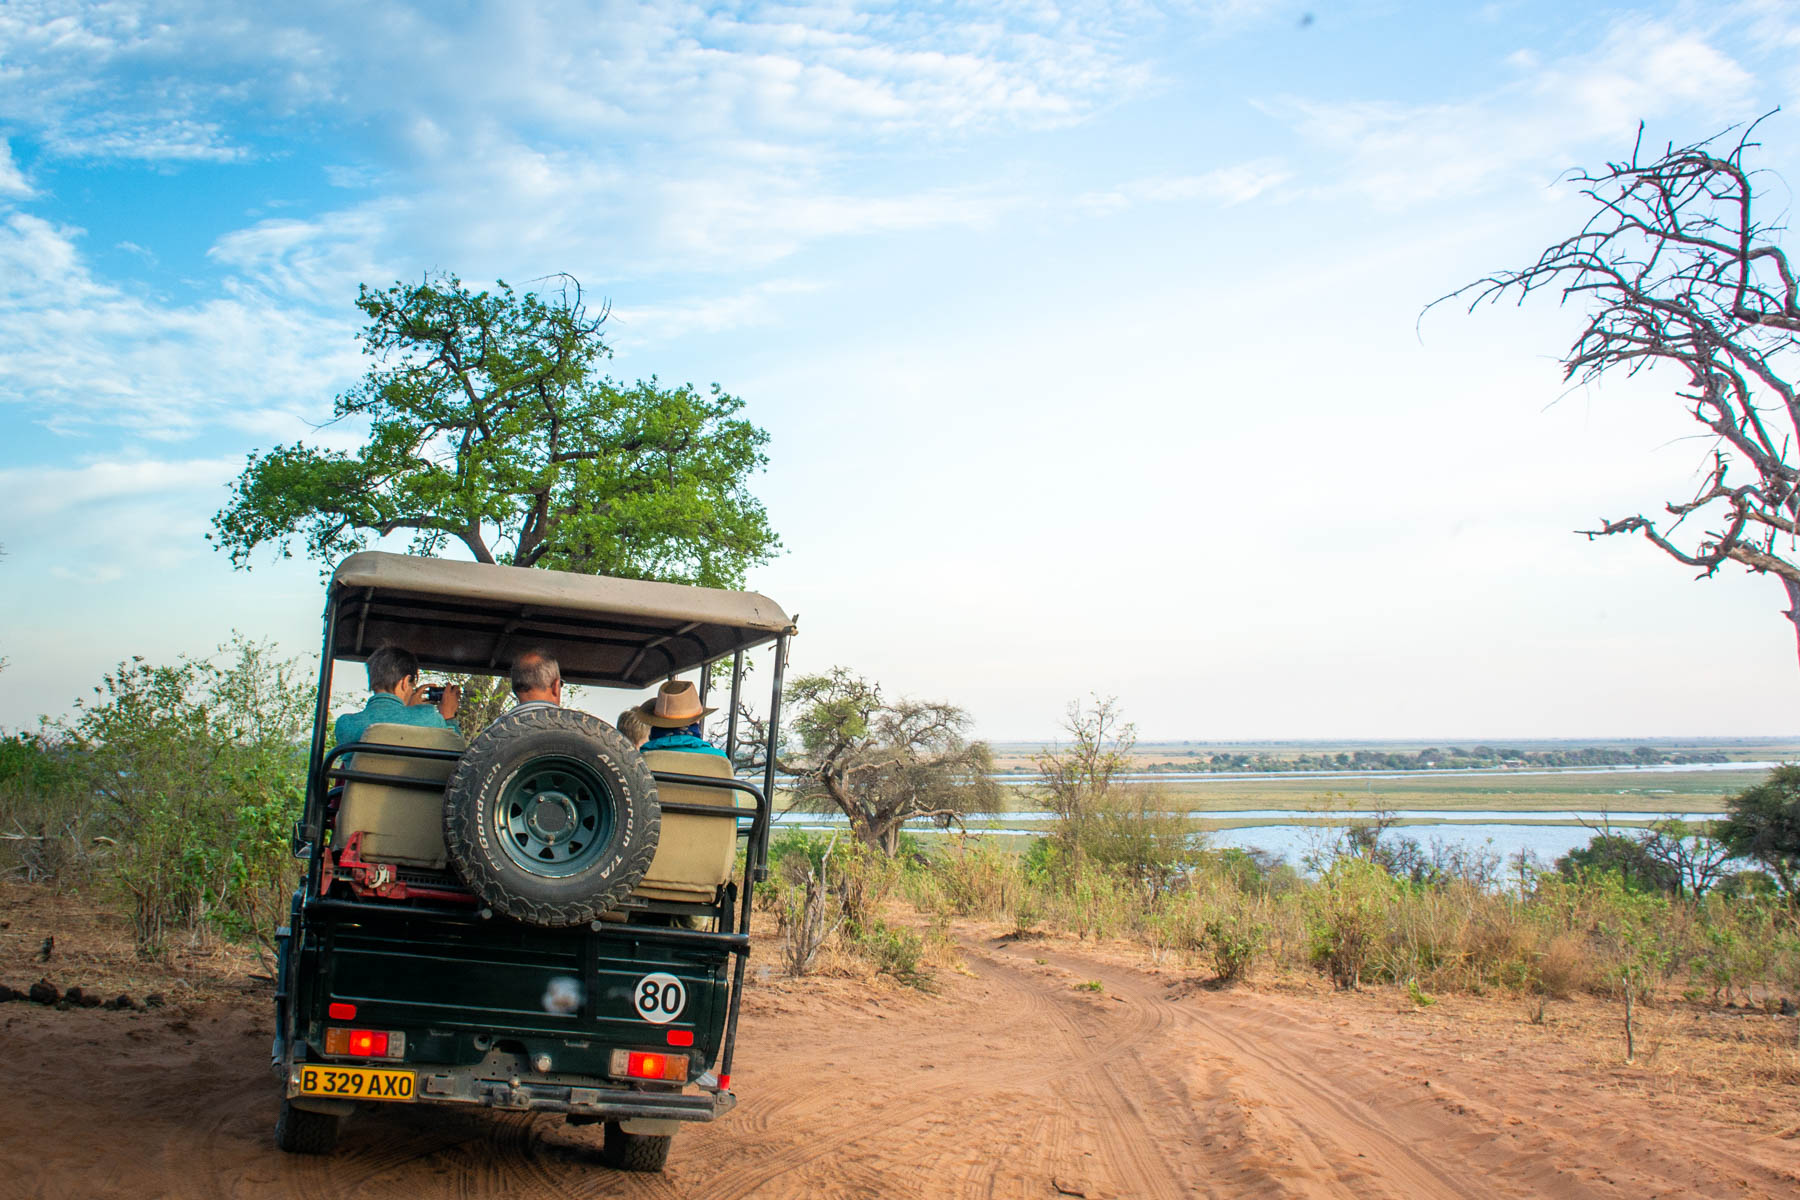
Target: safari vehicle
(541, 920)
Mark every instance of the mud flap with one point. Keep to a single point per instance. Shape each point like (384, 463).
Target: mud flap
(323, 1104)
(650, 1125)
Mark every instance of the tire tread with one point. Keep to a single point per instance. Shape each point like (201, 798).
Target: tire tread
(635, 1151)
(298, 1131)
(462, 809)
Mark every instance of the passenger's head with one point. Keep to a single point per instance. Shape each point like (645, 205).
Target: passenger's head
(633, 727)
(390, 666)
(536, 678)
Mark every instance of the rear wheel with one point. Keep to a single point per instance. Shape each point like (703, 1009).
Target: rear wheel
(551, 817)
(635, 1151)
(301, 1132)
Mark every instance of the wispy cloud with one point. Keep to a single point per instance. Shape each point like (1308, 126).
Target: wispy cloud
(42, 491)
(12, 180)
(157, 75)
(647, 324)
(1400, 154)
(1225, 186)
(85, 355)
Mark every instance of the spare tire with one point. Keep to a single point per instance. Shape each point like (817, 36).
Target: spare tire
(551, 816)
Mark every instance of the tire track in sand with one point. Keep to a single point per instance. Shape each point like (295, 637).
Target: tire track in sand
(1029, 1013)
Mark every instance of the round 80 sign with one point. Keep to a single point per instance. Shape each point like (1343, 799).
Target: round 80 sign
(659, 998)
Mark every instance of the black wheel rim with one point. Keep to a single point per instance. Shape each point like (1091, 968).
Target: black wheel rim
(555, 817)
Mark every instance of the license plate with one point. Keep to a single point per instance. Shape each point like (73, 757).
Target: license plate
(355, 1083)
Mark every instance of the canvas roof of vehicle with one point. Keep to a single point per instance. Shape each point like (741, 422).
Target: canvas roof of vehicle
(474, 618)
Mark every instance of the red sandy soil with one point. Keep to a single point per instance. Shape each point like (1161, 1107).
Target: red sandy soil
(1010, 1080)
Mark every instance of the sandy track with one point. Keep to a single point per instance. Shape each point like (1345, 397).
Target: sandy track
(1010, 1083)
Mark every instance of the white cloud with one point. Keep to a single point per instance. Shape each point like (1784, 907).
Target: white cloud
(639, 325)
(152, 75)
(106, 519)
(662, 133)
(38, 492)
(177, 140)
(12, 180)
(88, 355)
(1404, 154)
(1225, 186)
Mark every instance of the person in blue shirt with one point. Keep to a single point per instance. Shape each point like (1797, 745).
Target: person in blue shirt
(397, 699)
(675, 717)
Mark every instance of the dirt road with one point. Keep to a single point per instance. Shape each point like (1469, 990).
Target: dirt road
(1012, 1081)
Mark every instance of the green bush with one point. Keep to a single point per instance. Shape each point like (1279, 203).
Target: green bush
(1347, 914)
(199, 767)
(895, 952)
(1554, 936)
(1232, 944)
(48, 816)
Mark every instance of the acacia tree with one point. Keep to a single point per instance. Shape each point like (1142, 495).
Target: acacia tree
(881, 763)
(1764, 824)
(489, 424)
(1676, 269)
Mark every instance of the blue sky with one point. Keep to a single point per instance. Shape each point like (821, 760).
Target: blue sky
(1086, 334)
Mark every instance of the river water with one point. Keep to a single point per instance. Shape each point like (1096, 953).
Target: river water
(1293, 842)
(1544, 834)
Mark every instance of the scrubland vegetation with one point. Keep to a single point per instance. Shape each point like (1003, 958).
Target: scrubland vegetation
(1547, 933)
(173, 789)
(1655, 917)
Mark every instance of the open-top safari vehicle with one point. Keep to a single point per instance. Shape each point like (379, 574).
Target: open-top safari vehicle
(544, 919)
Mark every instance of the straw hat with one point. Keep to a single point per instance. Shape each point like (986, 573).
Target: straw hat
(676, 706)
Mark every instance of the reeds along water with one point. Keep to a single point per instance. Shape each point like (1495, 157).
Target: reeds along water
(1535, 933)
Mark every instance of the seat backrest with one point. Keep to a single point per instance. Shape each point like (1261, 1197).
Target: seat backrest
(399, 824)
(694, 855)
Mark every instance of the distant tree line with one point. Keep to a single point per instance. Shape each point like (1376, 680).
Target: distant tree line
(1448, 758)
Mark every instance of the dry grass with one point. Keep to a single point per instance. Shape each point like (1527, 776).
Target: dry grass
(93, 949)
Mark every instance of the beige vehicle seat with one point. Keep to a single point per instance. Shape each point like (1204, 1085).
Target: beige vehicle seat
(399, 824)
(694, 855)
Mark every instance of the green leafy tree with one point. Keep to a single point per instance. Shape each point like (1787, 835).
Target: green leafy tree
(881, 763)
(1764, 824)
(199, 767)
(1609, 853)
(488, 424)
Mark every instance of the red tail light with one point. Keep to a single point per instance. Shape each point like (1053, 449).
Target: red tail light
(365, 1043)
(368, 1043)
(638, 1064)
(681, 1037)
(341, 1012)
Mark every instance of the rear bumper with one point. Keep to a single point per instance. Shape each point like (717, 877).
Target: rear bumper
(478, 1085)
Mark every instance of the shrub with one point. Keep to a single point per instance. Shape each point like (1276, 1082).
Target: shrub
(48, 818)
(199, 767)
(1563, 967)
(893, 952)
(977, 876)
(1232, 944)
(1347, 912)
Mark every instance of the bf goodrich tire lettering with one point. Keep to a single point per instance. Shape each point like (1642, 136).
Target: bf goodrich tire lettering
(551, 817)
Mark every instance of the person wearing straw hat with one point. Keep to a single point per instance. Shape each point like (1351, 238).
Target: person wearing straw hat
(674, 716)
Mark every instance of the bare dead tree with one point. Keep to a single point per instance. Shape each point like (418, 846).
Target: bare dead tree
(1676, 270)
(881, 763)
(1692, 855)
